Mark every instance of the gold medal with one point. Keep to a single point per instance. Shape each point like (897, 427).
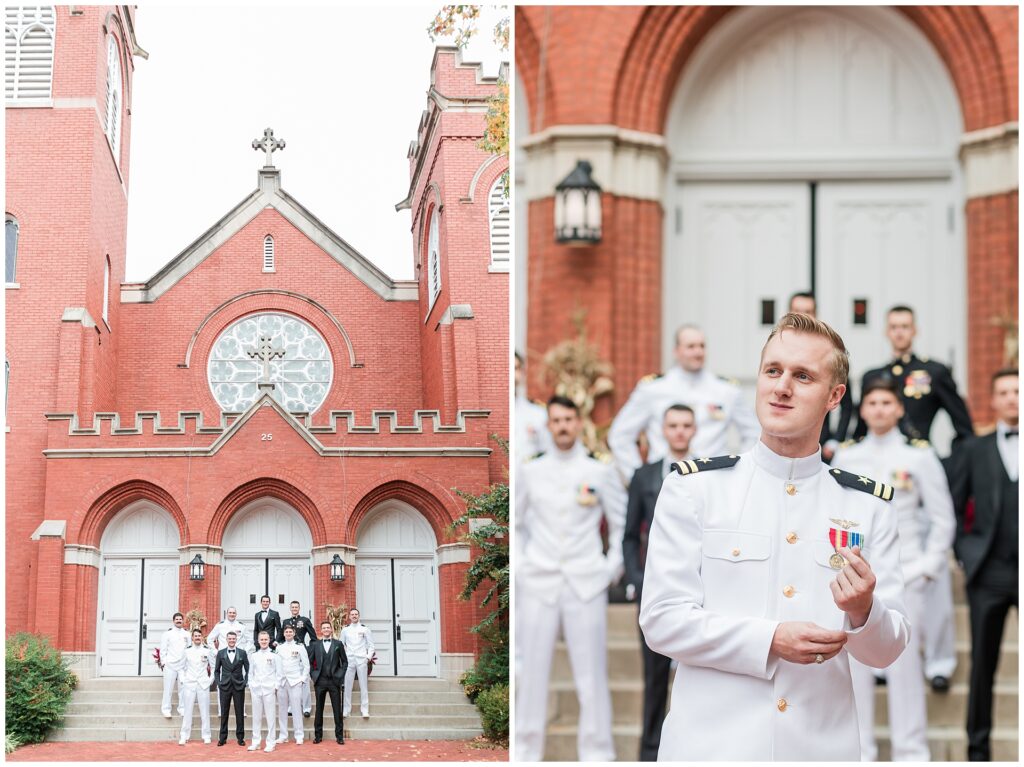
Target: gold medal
(836, 561)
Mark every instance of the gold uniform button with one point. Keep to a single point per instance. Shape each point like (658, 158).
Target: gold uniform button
(791, 537)
(782, 704)
(790, 488)
(789, 591)
(735, 552)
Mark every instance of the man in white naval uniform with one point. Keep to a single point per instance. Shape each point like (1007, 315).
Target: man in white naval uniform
(265, 674)
(716, 402)
(927, 524)
(173, 644)
(766, 571)
(294, 673)
(358, 641)
(195, 687)
(219, 634)
(563, 581)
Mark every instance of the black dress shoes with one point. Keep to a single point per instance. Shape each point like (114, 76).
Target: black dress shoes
(221, 742)
(241, 741)
(341, 741)
(940, 684)
(317, 740)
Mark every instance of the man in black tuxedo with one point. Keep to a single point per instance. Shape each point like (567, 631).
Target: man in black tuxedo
(268, 620)
(327, 666)
(229, 676)
(987, 470)
(678, 425)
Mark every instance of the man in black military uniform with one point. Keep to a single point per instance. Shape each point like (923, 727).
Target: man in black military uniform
(805, 303)
(679, 425)
(303, 628)
(267, 620)
(987, 469)
(926, 386)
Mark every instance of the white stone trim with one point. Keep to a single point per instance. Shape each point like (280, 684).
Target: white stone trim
(794, 169)
(77, 554)
(626, 162)
(452, 553)
(78, 314)
(456, 312)
(269, 195)
(83, 664)
(213, 556)
(471, 192)
(990, 160)
(455, 664)
(322, 555)
(50, 528)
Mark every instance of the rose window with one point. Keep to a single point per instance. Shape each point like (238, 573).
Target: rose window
(270, 348)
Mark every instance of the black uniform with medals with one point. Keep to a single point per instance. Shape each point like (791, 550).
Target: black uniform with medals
(925, 386)
(303, 628)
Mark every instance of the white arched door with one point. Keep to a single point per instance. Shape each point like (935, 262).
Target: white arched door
(138, 588)
(396, 589)
(814, 147)
(267, 550)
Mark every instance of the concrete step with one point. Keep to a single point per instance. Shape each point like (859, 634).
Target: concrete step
(376, 684)
(355, 723)
(425, 708)
(171, 734)
(154, 697)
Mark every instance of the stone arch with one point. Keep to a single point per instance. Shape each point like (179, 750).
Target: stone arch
(484, 169)
(113, 501)
(418, 534)
(264, 487)
(667, 36)
(422, 500)
(128, 528)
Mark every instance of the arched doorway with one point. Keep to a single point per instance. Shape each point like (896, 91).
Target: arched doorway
(814, 148)
(267, 550)
(138, 590)
(397, 589)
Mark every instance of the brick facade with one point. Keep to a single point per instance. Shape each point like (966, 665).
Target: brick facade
(631, 60)
(78, 384)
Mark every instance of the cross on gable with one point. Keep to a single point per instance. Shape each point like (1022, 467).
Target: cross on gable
(266, 352)
(268, 144)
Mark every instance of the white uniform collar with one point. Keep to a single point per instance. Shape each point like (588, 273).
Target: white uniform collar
(571, 454)
(786, 468)
(892, 437)
(690, 378)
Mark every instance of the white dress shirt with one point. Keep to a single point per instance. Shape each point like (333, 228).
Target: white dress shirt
(716, 403)
(1009, 449)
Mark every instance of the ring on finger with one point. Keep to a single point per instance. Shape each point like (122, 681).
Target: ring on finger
(819, 658)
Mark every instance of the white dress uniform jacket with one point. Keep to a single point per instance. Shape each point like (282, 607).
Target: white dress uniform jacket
(532, 435)
(265, 671)
(716, 403)
(173, 644)
(732, 554)
(923, 504)
(220, 634)
(560, 498)
(294, 663)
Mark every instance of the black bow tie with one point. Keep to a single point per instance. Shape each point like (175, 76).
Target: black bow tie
(1014, 433)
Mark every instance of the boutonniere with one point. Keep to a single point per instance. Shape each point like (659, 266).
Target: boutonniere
(586, 496)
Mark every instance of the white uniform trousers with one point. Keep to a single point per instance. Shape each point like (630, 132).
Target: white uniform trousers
(289, 699)
(584, 625)
(937, 627)
(190, 695)
(356, 666)
(908, 714)
(263, 706)
(307, 695)
(171, 675)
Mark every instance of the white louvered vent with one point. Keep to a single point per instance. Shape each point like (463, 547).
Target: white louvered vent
(28, 52)
(268, 253)
(113, 118)
(498, 211)
(434, 258)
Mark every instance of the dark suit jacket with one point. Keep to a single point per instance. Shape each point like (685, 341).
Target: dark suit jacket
(977, 473)
(303, 628)
(231, 676)
(643, 495)
(920, 375)
(327, 669)
(272, 626)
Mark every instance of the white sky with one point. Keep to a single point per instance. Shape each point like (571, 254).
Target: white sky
(344, 87)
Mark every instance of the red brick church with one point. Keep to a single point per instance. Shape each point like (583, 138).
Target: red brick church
(268, 403)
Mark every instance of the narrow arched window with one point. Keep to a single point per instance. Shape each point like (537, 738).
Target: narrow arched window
(268, 253)
(113, 116)
(11, 249)
(434, 258)
(28, 53)
(498, 215)
(106, 291)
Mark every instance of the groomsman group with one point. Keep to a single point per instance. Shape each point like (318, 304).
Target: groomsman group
(277, 669)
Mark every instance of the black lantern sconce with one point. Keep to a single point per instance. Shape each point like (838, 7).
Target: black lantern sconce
(337, 569)
(578, 208)
(197, 568)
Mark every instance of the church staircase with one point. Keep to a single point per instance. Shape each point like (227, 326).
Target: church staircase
(947, 713)
(128, 709)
